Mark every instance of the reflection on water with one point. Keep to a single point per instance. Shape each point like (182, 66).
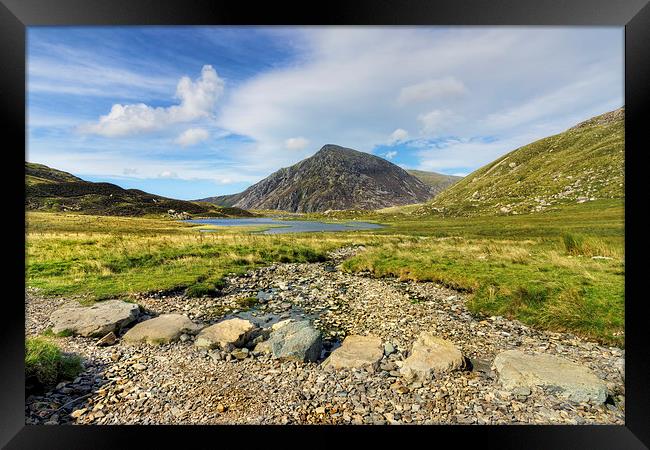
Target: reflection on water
(287, 226)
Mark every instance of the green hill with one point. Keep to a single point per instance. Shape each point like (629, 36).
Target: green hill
(581, 164)
(48, 189)
(438, 181)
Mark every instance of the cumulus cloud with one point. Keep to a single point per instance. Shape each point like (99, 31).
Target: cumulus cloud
(345, 85)
(431, 89)
(197, 100)
(192, 136)
(398, 135)
(296, 143)
(390, 154)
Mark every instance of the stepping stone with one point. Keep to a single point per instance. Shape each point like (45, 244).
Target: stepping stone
(431, 355)
(563, 378)
(226, 335)
(96, 320)
(297, 341)
(356, 352)
(161, 330)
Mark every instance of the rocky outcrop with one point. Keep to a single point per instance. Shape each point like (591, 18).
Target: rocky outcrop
(563, 378)
(96, 320)
(161, 330)
(356, 352)
(334, 178)
(227, 334)
(297, 341)
(430, 355)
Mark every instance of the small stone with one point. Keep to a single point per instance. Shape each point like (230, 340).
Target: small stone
(240, 353)
(108, 339)
(78, 413)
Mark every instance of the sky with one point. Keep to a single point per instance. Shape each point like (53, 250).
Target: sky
(192, 112)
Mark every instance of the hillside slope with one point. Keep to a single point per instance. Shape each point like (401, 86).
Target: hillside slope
(437, 181)
(48, 189)
(334, 178)
(583, 163)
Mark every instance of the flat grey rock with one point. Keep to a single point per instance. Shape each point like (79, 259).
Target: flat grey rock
(431, 355)
(227, 334)
(563, 378)
(96, 320)
(161, 330)
(356, 352)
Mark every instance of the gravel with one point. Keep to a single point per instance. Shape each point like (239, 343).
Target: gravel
(177, 383)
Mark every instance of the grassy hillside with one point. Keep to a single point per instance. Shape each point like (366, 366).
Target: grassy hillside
(438, 181)
(582, 164)
(48, 189)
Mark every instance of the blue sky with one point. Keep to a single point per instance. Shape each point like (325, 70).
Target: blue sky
(191, 112)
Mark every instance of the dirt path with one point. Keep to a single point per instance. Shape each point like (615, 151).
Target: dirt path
(178, 383)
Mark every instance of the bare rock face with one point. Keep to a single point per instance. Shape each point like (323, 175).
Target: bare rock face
(356, 352)
(226, 335)
(334, 178)
(96, 320)
(161, 330)
(430, 355)
(562, 377)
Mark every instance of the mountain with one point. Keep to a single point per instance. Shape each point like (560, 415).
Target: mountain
(48, 189)
(333, 178)
(437, 181)
(584, 163)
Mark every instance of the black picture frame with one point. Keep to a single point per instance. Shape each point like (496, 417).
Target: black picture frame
(16, 15)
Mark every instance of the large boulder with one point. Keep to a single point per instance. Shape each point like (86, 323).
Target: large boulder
(564, 378)
(297, 341)
(227, 334)
(356, 352)
(96, 320)
(431, 355)
(161, 330)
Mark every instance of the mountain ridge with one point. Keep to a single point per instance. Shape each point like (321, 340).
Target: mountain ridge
(334, 178)
(48, 189)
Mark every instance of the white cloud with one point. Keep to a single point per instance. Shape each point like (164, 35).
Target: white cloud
(431, 89)
(344, 86)
(296, 143)
(398, 135)
(197, 100)
(130, 171)
(192, 136)
(390, 154)
(437, 121)
(167, 174)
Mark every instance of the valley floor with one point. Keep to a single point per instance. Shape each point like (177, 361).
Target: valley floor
(180, 384)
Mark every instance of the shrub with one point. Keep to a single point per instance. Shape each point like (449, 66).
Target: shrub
(45, 364)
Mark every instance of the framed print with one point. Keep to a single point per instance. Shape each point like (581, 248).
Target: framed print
(330, 220)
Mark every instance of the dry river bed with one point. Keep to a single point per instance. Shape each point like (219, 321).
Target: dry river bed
(180, 384)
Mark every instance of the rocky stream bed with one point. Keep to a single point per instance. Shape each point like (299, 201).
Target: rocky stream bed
(180, 382)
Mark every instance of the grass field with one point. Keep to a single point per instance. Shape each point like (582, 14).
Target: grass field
(538, 268)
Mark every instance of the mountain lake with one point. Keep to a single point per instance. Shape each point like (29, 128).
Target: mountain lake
(277, 226)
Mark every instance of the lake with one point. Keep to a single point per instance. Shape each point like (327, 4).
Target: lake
(287, 226)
